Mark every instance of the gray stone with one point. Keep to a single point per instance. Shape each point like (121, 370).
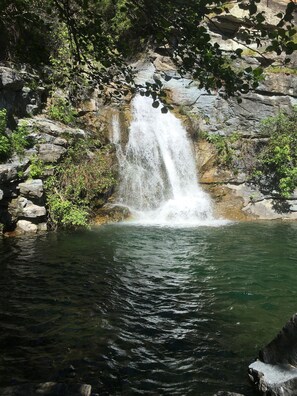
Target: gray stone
(270, 209)
(275, 373)
(8, 172)
(31, 188)
(1, 194)
(10, 79)
(25, 226)
(50, 152)
(28, 209)
(293, 207)
(55, 128)
(282, 84)
(47, 389)
(60, 142)
(248, 193)
(42, 227)
(274, 380)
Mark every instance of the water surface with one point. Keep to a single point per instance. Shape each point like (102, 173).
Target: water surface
(145, 310)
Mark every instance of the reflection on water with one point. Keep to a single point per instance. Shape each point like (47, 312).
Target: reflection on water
(136, 310)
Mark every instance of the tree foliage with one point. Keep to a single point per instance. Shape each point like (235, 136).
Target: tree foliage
(99, 36)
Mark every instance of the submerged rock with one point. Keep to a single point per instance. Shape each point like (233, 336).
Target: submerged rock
(47, 389)
(275, 373)
(111, 214)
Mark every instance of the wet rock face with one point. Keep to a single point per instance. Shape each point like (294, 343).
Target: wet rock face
(283, 349)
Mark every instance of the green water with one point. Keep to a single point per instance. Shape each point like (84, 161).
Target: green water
(140, 310)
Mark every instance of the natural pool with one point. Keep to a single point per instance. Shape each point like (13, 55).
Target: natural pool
(145, 310)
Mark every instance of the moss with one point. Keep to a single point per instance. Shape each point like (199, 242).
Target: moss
(281, 70)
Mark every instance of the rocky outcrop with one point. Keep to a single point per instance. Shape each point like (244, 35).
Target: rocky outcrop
(17, 96)
(275, 373)
(22, 199)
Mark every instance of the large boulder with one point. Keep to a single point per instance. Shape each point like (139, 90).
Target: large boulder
(31, 188)
(283, 348)
(50, 153)
(275, 373)
(10, 79)
(274, 380)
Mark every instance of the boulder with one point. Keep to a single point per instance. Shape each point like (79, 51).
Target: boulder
(31, 188)
(270, 209)
(283, 348)
(274, 380)
(42, 227)
(50, 153)
(28, 209)
(10, 79)
(55, 128)
(25, 226)
(275, 373)
(8, 172)
(47, 389)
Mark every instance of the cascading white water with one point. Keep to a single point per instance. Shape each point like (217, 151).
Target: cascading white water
(158, 181)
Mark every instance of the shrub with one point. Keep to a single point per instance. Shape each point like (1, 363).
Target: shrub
(223, 146)
(19, 138)
(61, 110)
(36, 169)
(277, 166)
(5, 144)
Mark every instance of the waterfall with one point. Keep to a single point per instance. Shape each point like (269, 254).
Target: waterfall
(158, 180)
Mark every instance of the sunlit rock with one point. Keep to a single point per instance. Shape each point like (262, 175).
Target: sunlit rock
(31, 188)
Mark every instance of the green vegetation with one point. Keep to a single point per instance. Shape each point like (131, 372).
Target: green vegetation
(281, 70)
(20, 139)
(16, 142)
(277, 166)
(61, 110)
(37, 167)
(224, 147)
(5, 144)
(80, 183)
